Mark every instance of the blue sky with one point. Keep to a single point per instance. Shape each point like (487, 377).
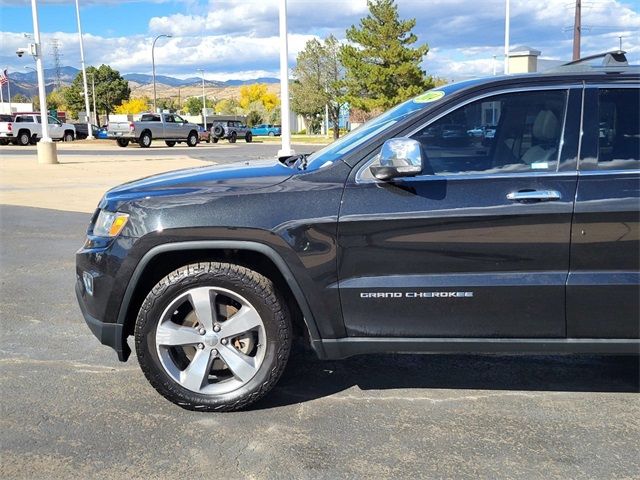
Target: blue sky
(238, 38)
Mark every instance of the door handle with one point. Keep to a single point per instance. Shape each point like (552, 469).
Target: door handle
(534, 196)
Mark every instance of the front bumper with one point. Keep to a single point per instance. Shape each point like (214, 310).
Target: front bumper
(110, 334)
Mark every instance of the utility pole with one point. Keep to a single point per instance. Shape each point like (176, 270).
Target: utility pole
(285, 150)
(93, 93)
(506, 37)
(577, 27)
(204, 102)
(55, 53)
(84, 75)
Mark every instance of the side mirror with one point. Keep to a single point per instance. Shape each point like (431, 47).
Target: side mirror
(399, 157)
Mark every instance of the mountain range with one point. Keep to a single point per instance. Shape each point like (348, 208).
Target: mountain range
(26, 82)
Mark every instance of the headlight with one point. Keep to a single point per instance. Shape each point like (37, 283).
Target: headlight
(109, 224)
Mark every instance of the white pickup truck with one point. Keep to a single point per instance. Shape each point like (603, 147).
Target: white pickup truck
(154, 126)
(26, 128)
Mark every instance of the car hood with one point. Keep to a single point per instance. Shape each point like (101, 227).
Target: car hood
(219, 179)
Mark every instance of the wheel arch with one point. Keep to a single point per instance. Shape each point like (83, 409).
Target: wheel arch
(163, 259)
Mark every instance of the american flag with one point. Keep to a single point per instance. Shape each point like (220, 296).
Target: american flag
(4, 77)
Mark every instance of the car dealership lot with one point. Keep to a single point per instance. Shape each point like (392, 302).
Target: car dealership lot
(69, 408)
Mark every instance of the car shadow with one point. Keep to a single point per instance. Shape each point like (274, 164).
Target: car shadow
(307, 378)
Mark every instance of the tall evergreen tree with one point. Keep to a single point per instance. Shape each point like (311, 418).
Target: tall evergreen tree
(382, 65)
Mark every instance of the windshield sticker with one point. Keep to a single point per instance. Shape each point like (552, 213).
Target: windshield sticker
(429, 97)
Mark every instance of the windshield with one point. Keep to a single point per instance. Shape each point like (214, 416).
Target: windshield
(360, 135)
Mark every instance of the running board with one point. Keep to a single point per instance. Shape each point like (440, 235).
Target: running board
(347, 347)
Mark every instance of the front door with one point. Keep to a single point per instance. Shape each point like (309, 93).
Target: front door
(478, 245)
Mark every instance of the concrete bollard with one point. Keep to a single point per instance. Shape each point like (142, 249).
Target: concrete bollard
(47, 153)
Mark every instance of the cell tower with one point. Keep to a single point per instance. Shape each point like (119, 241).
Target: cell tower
(55, 53)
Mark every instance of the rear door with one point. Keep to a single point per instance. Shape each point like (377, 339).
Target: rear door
(478, 245)
(603, 293)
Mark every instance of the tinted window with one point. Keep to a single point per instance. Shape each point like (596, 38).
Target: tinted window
(514, 132)
(619, 129)
(150, 118)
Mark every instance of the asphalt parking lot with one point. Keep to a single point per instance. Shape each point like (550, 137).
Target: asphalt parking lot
(70, 409)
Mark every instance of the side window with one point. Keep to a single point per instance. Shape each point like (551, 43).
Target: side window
(177, 119)
(18, 119)
(512, 132)
(618, 129)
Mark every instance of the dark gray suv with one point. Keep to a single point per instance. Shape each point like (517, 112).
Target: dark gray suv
(402, 236)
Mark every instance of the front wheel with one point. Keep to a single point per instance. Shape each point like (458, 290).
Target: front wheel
(192, 139)
(122, 142)
(213, 336)
(272, 134)
(248, 137)
(68, 137)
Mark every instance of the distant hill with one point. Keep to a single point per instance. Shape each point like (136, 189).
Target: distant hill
(26, 82)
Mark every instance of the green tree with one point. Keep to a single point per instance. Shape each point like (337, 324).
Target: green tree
(19, 98)
(111, 90)
(382, 65)
(228, 106)
(319, 82)
(254, 117)
(193, 105)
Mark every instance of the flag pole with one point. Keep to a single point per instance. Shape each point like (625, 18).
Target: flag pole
(6, 73)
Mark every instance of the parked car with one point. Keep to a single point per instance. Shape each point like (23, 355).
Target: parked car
(382, 242)
(154, 126)
(81, 131)
(102, 132)
(6, 129)
(231, 130)
(204, 135)
(266, 129)
(26, 129)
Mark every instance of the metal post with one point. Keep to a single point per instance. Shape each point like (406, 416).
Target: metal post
(84, 74)
(506, 37)
(286, 150)
(153, 68)
(93, 94)
(204, 104)
(46, 147)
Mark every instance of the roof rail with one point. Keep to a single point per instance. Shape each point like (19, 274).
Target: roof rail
(612, 61)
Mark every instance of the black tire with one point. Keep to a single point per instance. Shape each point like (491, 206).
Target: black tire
(24, 138)
(272, 134)
(122, 142)
(214, 140)
(233, 137)
(170, 143)
(258, 290)
(68, 137)
(248, 137)
(145, 139)
(192, 139)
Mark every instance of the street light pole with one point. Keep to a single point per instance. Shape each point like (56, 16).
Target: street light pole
(286, 150)
(84, 74)
(153, 67)
(46, 148)
(204, 104)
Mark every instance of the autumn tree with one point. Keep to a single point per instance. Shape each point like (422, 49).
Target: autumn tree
(257, 97)
(228, 106)
(382, 63)
(111, 89)
(133, 106)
